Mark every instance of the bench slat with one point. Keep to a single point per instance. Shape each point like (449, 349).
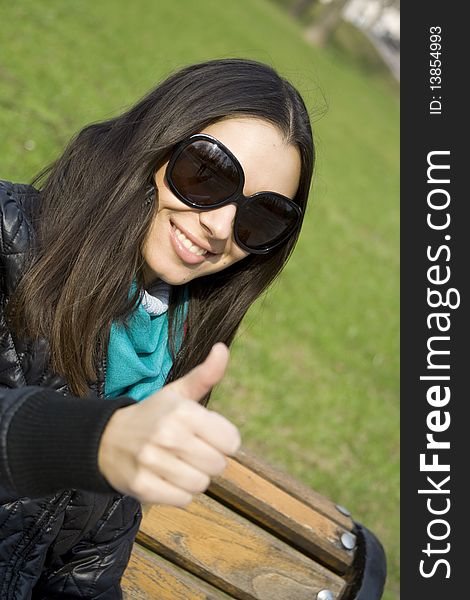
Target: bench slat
(232, 553)
(149, 577)
(292, 486)
(287, 517)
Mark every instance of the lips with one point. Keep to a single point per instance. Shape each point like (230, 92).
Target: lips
(186, 248)
(187, 243)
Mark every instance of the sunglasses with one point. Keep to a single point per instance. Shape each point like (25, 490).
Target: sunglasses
(204, 174)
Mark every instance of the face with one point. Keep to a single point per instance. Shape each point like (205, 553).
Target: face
(184, 242)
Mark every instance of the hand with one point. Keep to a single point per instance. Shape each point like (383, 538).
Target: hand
(165, 448)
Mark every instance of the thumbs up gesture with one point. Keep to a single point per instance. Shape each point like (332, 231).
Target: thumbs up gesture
(166, 448)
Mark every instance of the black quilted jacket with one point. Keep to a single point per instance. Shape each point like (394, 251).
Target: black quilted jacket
(64, 531)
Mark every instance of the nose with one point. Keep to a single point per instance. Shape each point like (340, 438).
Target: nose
(218, 222)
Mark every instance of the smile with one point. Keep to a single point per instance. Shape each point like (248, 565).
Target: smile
(187, 243)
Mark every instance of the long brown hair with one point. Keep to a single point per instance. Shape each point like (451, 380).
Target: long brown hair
(92, 219)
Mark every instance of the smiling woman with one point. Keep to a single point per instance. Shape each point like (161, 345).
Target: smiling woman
(185, 242)
(127, 267)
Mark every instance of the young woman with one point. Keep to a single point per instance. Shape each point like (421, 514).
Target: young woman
(126, 269)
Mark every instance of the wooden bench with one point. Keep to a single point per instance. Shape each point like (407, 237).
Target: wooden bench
(256, 533)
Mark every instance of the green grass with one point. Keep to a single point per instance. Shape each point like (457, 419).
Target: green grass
(314, 377)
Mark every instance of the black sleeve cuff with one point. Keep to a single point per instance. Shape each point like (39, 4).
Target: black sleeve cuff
(53, 441)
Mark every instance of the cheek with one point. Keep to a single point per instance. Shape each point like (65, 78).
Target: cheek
(154, 237)
(236, 256)
(240, 253)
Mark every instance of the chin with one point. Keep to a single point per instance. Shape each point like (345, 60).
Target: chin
(170, 278)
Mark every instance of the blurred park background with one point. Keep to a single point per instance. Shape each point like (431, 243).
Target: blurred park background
(314, 378)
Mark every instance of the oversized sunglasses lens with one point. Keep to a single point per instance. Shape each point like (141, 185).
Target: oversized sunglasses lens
(204, 174)
(265, 220)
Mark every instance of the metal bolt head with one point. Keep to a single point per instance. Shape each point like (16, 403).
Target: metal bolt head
(343, 510)
(325, 595)
(348, 540)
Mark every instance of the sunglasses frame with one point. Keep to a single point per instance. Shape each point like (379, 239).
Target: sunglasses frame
(238, 198)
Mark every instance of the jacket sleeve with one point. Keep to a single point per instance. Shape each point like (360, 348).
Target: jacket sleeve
(50, 442)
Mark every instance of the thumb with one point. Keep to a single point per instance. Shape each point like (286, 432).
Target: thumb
(200, 380)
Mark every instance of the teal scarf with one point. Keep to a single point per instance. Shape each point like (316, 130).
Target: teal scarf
(139, 357)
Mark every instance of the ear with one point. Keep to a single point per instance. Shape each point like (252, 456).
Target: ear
(150, 194)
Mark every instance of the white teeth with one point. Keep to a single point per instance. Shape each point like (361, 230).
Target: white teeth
(189, 244)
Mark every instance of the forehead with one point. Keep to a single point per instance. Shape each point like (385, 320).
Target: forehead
(268, 162)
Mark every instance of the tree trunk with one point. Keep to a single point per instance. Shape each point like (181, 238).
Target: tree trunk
(322, 29)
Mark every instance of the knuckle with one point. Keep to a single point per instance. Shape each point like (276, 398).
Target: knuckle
(167, 437)
(140, 487)
(145, 457)
(184, 410)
